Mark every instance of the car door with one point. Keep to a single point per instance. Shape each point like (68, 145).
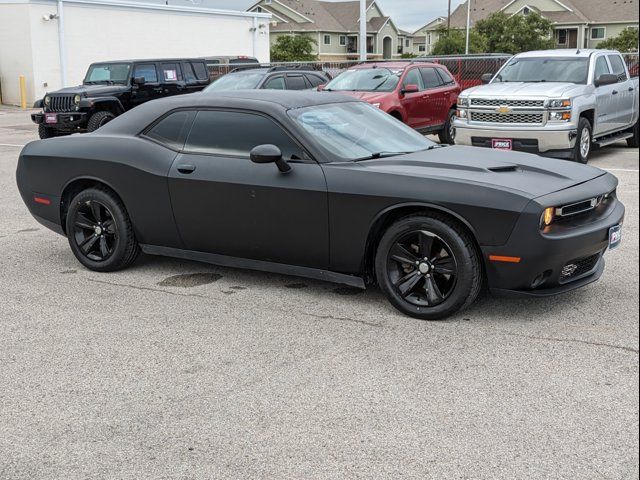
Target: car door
(625, 89)
(606, 100)
(435, 97)
(148, 90)
(225, 204)
(413, 103)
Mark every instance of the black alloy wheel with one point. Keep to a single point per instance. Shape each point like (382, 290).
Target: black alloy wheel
(422, 268)
(99, 230)
(428, 266)
(95, 231)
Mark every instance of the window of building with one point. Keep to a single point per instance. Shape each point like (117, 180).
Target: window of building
(562, 37)
(526, 11)
(598, 33)
(343, 40)
(422, 48)
(235, 134)
(327, 39)
(406, 43)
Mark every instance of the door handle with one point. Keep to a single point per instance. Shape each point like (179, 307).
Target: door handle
(631, 89)
(186, 169)
(615, 92)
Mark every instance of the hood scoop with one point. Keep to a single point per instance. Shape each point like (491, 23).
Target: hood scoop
(504, 169)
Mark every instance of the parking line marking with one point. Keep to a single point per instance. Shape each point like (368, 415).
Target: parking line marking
(10, 145)
(620, 170)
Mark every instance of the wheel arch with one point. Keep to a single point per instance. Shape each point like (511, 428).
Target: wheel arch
(77, 185)
(397, 114)
(109, 104)
(391, 214)
(589, 114)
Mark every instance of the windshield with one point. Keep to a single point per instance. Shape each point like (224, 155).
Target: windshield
(236, 81)
(366, 80)
(357, 131)
(108, 73)
(569, 70)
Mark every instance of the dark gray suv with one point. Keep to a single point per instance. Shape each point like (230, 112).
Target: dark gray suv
(270, 78)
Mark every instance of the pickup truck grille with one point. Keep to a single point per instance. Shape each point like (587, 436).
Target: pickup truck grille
(61, 103)
(490, 102)
(522, 118)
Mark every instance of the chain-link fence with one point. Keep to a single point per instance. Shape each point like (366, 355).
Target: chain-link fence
(467, 69)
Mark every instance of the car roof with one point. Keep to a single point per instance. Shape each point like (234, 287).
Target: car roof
(139, 60)
(393, 65)
(564, 53)
(272, 102)
(274, 70)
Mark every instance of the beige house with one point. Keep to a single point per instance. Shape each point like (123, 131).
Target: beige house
(425, 38)
(335, 27)
(577, 23)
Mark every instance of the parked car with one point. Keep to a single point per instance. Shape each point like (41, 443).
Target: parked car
(469, 69)
(422, 95)
(326, 187)
(557, 103)
(111, 88)
(270, 78)
(221, 65)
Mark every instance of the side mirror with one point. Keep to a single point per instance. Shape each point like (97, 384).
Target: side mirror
(410, 88)
(269, 154)
(321, 87)
(138, 80)
(486, 78)
(605, 79)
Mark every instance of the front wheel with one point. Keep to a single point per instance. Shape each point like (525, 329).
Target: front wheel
(448, 133)
(583, 145)
(99, 119)
(633, 141)
(428, 267)
(99, 231)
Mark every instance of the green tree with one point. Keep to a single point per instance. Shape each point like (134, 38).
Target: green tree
(517, 33)
(627, 41)
(293, 48)
(453, 42)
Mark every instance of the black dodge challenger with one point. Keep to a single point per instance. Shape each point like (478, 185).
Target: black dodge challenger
(322, 186)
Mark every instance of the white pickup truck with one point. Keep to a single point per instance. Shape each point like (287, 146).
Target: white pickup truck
(557, 103)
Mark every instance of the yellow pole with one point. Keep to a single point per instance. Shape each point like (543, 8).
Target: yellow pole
(23, 92)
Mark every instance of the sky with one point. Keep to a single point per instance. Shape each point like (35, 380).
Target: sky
(407, 14)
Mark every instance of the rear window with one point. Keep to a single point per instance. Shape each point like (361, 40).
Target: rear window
(315, 80)
(446, 78)
(200, 70)
(296, 82)
(171, 72)
(617, 65)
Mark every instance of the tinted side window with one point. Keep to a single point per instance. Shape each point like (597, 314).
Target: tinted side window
(275, 83)
(172, 130)
(171, 72)
(431, 78)
(200, 70)
(618, 67)
(601, 67)
(148, 71)
(189, 74)
(413, 77)
(296, 82)
(236, 134)
(315, 80)
(446, 78)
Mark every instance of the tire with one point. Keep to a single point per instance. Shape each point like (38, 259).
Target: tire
(408, 280)
(46, 132)
(633, 141)
(99, 231)
(580, 154)
(448, 134)
(99, 119)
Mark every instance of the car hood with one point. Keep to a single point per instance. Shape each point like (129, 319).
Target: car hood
(522, 89)
(371, 97)
(523, 173)
(91, 90)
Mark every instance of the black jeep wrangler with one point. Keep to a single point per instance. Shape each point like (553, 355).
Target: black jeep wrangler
(111, 88)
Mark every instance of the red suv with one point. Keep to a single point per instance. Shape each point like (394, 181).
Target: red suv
(422, 95)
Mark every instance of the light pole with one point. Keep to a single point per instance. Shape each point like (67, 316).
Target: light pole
(466, 51)
(363, 30)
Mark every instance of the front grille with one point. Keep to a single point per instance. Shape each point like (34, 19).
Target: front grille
(61, 103)
(489, 102)
(528, 118)
(578, 268)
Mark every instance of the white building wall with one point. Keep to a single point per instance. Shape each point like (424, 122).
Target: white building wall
(117, 31)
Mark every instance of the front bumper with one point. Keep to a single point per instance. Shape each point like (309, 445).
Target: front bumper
(547, 140)
(562, 259)
(64, 121)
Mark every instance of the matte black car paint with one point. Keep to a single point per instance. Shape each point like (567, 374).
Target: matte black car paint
(320, 215)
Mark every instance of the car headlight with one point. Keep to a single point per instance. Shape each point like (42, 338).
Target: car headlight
(547, 217)
(560, 103)
(77, 99)
(559, 116)
(47, 100)
(463, 101)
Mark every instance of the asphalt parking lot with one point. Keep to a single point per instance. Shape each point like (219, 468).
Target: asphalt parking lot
(180, 370)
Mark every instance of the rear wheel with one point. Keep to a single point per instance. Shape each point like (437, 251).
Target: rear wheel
(46, 132)
(99, 119)
(583, 145)
(99, 231)
(448, 134)
(633, 141)
(428, 267)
